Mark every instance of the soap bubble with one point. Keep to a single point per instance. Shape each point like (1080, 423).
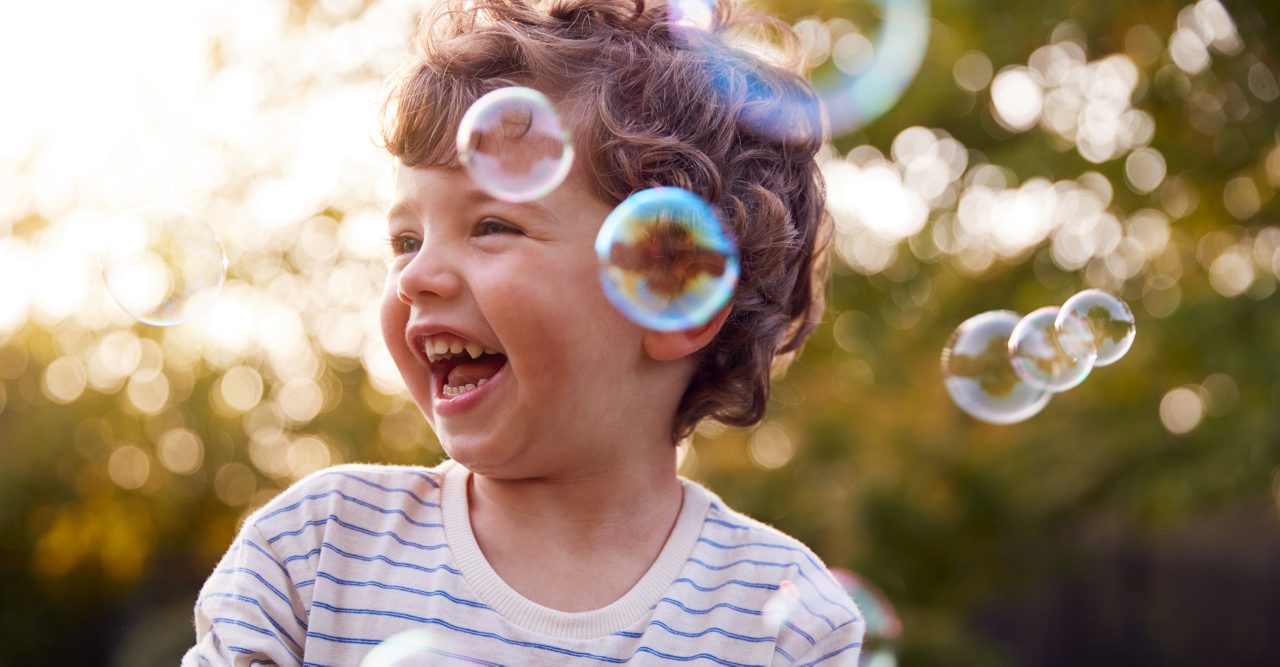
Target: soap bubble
(162, 264)
(665, 260)
(1037, 349)
(1105, 316)
(848, 98)
(883, 625)
(898, 50)
(513, 144)
(979, 375)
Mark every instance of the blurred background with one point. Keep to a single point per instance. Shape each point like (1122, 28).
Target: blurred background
(995, 156)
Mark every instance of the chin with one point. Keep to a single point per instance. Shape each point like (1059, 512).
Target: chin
(480, 455)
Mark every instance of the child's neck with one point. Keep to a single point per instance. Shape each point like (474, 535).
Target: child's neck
(575, 544)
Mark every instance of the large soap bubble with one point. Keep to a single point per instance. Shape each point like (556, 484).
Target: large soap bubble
(665, 259)
(513, 144)
(162, 264)
(978, 372)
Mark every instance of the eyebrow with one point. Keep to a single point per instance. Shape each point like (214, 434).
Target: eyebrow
(472, 197)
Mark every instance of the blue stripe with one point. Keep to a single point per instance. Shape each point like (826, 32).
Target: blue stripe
(305, 556)
(264, 582)
(369, 559)
(262, 631)
(351, 499)
(391, 489)
(403, 589)
(748, 584)
(808, 637)
(358, 529)
(270, 556)
(778, 649)
(256, 661)
(718, 605)
(690, 658)
(747, 561)
(726, 524)
(842, 649)
(802, 552)
(710, 630)
(767, 545)
(256, 603)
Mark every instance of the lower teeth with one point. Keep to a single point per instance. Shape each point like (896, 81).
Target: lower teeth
(450, 390)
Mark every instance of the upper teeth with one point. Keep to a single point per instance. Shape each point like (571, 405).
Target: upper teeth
(446, 347)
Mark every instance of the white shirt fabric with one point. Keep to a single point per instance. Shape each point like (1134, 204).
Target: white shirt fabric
(356, 554)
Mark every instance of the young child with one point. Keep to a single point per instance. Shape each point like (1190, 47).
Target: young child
(558, 533)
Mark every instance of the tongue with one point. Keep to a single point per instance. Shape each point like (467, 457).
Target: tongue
(472, 372)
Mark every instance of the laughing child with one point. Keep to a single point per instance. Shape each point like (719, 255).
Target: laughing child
(558, 532)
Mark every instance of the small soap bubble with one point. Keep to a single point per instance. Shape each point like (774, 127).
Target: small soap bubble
(883, 627)
(1037, 349)
(779, 607)
(1105, 316)
(665, 259)
(162, 264)
(513, 145)
(979, 375)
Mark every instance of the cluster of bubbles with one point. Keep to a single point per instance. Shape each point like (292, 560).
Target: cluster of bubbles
(1002, 368)
(883, 627)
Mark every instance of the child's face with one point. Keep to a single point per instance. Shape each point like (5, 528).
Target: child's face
(522, 280)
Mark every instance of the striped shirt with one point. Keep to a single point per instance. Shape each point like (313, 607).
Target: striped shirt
(356, 554)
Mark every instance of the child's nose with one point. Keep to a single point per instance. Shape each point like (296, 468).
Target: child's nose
(428, 275)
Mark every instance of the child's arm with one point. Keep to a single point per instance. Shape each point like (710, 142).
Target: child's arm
(249, 611)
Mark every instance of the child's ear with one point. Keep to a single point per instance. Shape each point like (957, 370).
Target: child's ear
(672, 345)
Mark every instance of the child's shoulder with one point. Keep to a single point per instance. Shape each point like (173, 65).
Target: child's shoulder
(338, 490)
(757, 553)
(729, 530)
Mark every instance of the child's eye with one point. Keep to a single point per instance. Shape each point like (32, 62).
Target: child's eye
(494, 226)
(403, 245)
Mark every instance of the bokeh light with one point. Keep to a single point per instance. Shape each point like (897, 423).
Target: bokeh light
(163, 265)
(1181, 410)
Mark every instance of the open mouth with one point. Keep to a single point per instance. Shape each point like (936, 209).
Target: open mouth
(459, 367)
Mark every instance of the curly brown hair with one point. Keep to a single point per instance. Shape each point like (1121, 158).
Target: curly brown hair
(653, 103)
